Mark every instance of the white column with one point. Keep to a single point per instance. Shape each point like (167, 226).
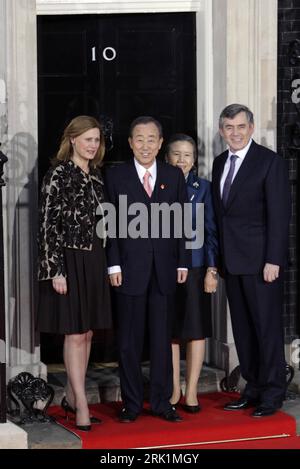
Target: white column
(19, 130)
(252, 62)
(245, 62)
(244, 71)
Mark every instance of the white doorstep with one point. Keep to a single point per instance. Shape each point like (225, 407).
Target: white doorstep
(12, 436)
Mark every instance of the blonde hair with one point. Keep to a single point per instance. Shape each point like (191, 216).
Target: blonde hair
(78, 126)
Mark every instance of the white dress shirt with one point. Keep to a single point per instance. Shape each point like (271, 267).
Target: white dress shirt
(240, 158)
(141, 170)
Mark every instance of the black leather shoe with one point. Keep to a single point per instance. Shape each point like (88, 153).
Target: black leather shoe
(170, 415)
(84, 428)
(239, 404)
(127, 417)
(264, 411)
(191, 409)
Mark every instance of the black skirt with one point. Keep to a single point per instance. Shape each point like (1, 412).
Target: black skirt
(192, 318)
(87, 305)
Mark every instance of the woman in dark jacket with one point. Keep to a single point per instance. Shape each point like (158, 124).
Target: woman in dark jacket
(73, 289)
(193, 303)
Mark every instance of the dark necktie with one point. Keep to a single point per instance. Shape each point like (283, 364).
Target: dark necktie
(228, 180)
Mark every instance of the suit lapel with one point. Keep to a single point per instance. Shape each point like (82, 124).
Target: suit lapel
(193, 187)
(219, 168)
(155, 193)
(133, 183)
(248, 166)
(161, 182)
(136, 188)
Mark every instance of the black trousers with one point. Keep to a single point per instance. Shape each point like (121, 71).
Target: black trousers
(256, 313)
(133, 313)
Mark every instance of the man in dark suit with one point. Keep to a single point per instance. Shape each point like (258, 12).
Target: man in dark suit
(144, 269)
(252, 202)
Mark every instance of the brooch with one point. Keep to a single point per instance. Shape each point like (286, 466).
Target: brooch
(162, 186)
(196, 184)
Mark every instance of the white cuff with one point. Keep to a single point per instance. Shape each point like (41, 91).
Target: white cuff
(114, 269)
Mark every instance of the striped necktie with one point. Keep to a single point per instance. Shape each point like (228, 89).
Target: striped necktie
(228, 180)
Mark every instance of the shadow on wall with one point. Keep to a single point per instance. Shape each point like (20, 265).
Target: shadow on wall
(22, 219)
(218, 146)
(271, 128)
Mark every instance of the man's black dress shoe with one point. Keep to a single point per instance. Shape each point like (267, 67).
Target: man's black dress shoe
(127, 417)
(239, 404)
(191, 409)
(264, 411)
(170, 415)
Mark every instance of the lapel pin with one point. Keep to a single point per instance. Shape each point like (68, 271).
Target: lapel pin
(162, 186)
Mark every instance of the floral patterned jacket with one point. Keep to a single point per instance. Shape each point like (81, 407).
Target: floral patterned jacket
(69, 199)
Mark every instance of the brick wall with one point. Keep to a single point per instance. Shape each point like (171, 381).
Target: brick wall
(288, 114)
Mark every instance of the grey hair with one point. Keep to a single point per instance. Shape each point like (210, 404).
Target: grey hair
(229, 112)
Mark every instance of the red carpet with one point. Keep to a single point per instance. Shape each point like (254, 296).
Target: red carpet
(211, 428)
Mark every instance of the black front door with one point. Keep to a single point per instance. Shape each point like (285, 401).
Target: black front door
(114, 67)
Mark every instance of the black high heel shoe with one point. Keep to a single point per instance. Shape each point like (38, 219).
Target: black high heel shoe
(67, 408)
(83, 428)
(177, 402)
(191, 409)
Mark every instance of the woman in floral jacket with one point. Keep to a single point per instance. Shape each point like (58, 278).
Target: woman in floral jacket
(74, 293)
(193, 312)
